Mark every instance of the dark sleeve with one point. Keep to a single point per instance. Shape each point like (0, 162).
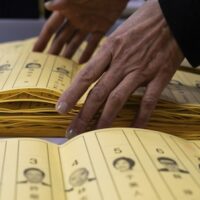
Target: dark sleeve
(183, 17)
(19, 9)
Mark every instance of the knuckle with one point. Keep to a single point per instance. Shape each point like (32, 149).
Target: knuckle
(106, 48)
(116, 98)
(87, 75)
(119, 49)
(97, 94)
(115, 40)
(149, 102)
(143, 75)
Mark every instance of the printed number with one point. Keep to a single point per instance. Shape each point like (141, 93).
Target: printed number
(33, 161)
(160, 151)
(75, 163)
(117, 150)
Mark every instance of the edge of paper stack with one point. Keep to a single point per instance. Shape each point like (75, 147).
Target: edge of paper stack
(30, 84)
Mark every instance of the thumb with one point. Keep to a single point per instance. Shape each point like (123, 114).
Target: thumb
(56, 5)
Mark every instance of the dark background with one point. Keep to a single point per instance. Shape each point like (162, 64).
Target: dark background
(21, 9)
(30, 9)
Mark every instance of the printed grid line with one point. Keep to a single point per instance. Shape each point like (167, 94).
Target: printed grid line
(161, 176)
(92, 165)
(111, 176)
(145, 172)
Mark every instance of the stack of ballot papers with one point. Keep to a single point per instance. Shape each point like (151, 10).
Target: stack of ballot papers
(31, 83)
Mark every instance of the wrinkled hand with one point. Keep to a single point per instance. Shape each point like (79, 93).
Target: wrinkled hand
(85, 19)
(140, 52)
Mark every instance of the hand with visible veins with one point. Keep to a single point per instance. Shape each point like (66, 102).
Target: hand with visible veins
(73, 21)
(141, 52)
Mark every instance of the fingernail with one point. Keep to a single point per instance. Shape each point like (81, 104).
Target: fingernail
(70, 133)
(62, 107)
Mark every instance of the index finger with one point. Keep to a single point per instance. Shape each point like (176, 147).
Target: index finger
(50, 27)
(94, 69)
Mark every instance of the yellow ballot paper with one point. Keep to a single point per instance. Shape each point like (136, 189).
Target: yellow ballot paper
(109, 164)
(31, 83)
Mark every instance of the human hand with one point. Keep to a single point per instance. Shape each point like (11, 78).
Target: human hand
(142, 52)
(85, 19)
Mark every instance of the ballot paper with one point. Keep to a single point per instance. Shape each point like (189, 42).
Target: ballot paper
(109, 164)
(31, 83)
